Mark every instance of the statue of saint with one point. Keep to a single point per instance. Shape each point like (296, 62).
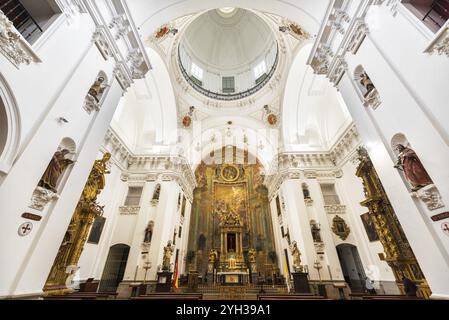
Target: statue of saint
(97, 89)
(149, 232)
(315, 232)
(252, 256)
(414, 171)
(305, 191)
(96, 181)
(232, 261)
(54, 170)
(296, 257)
(366, 82)
(168, 251)
(212, 256)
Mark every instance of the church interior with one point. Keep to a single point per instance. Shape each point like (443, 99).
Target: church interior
(224, 149)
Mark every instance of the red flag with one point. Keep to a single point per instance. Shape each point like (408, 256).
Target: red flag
(175, 275)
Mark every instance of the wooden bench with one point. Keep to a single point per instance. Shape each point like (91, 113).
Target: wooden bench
(83, 296)
(169, 296)
(289, 297)
(390, 297)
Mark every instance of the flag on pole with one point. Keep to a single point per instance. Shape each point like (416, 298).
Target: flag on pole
(175, 275)
(286, 273)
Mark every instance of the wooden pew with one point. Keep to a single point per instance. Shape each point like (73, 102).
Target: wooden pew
(289, 297)
(390, 297)
(83, 296)
(169, 296)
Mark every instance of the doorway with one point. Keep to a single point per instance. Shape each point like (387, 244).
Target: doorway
(352, 267)
(114, 268)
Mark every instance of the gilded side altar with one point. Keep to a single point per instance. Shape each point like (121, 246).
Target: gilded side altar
(86, 211)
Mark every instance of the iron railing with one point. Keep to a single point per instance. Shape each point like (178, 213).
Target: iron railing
(224, 96)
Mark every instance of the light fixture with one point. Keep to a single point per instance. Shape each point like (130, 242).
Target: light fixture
(227, 10)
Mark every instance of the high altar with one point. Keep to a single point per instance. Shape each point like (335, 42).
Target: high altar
(232, 268)
(231, 236)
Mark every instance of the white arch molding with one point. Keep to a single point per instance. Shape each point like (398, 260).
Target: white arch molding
(150, 15)
(9, 127)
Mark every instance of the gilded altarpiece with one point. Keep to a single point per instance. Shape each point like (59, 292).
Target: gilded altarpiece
(238, 187)
(398, 253)
(72, 245)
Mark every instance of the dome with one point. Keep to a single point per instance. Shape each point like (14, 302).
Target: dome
(228, 51)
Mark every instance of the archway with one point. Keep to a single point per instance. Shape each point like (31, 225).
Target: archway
(114, 268)
(352, 267)
(9, 127)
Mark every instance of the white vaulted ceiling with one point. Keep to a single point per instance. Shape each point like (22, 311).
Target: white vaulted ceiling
(228, 42)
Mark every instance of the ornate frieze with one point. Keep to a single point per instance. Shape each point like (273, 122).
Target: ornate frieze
(122, 77)
(440, 45)
(430, 196)
(335, 209)
(12, 44)
(359, 33)
(151, 167)
(338, 71)
(129, 210)
(101, 41)
(41, 197)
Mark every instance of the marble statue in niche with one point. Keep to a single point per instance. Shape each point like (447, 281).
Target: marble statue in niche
(413, 169)
(366, 83)
(149, 232)
(55, 169)
(97, 89)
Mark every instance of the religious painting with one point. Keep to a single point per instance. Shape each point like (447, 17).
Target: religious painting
(95, 232)
(233, 196)
(369, 227)
(230, 173)
(340, 228)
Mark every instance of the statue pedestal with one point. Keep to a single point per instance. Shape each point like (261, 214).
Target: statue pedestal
(301, 283)
(164, 281)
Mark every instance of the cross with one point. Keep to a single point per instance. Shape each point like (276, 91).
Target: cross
(26, 228)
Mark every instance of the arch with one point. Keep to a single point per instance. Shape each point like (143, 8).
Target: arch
(313, 112)
(114, 268)
(398, 138)
(352, 266)
(10, 127)
(150, 16)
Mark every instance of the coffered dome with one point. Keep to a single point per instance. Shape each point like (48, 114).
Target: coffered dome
(228, 43)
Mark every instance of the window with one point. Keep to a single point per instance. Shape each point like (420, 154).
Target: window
(228, 84)
(433, 13)
(197, 72)
(31, 18)
(260, 70)
(329, 194)
(133, 197)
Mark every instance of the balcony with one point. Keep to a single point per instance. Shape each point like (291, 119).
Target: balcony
(433, 13)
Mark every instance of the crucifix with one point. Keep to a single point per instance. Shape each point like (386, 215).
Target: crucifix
(146, 267)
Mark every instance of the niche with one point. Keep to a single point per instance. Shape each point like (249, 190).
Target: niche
(92, 102)
(315, 229)
(366, 88)
(156, 194)
(55, 175)
(414, 173)
(149, 232)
